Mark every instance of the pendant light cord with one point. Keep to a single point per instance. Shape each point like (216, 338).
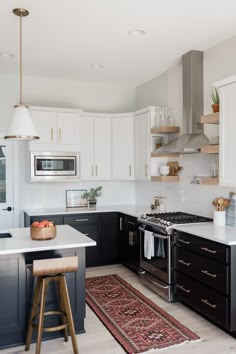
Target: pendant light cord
(21, 59)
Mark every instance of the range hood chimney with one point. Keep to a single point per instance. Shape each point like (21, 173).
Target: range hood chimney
(193, 137)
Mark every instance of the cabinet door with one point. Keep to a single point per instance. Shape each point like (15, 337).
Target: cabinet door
(86, 148)
(89, 225)
(122, 148)
(142, 146)
(102, 148)
(12, 300)
(131, 244)
(68, 128)
(227, 175)
(46, 126)
(109, 239)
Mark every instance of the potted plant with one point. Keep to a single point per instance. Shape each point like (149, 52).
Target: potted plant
(216, 101)
(92, 196)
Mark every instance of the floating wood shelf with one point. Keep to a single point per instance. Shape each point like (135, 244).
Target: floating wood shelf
(165, 178)
(210, 149)
(155, 154)
(212, 118)
(165, 130)
(209, 180)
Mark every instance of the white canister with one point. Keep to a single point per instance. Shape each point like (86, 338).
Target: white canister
(219, 218)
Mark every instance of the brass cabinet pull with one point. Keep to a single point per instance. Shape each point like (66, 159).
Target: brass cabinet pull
(59, 134)
(183, 262)
(131, 238)
(51, 134)
(209, 274)
(130, 171)
(79, 220)
(208, 250)
(183, 241)
(181, 287)
(92, 169)
(205, 301)
(121, 223)
(96, 168)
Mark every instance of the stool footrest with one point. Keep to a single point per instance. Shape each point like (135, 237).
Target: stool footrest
(54, 328)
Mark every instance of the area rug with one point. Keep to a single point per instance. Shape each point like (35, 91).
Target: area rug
(135, 321)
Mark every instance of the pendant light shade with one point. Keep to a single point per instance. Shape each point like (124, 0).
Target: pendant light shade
(21, 126)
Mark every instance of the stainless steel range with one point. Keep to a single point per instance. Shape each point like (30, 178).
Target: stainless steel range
(156, 256)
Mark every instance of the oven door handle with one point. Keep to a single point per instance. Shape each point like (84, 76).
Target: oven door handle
(162, 237)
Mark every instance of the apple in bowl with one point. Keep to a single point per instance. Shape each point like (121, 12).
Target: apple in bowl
(43, 230)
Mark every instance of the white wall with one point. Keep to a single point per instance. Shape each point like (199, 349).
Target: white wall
(51, 92)
(152, 93)
(219, 63)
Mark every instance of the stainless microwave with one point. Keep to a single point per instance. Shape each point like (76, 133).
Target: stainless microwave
(54, 166)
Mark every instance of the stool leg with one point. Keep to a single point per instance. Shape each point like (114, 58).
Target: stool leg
(66, 300)
(41, 315)
(62, 308)
(33, 312)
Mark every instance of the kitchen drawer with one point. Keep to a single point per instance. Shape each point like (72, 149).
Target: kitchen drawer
(57, 219)
(80, 219)
(205, 270)
(207, 301)
(213, 250)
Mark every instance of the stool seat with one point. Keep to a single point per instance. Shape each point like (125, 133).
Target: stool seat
(55, 266)
(47, 271)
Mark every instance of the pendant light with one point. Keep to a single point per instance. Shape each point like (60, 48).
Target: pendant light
(21, 127)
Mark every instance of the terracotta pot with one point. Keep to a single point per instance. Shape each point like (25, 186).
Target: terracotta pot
(215, 107)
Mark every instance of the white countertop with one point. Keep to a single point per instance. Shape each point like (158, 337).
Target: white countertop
(21, 242)
(132, 210)
(222, 234)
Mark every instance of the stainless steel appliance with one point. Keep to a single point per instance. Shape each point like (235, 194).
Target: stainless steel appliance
(156, 255)
(54, 166)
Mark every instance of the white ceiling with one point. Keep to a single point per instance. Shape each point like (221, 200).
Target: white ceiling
(62, 38)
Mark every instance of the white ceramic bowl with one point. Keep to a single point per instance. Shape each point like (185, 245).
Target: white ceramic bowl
(164, 170)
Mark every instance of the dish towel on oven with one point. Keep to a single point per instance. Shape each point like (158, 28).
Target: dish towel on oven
(148, 244)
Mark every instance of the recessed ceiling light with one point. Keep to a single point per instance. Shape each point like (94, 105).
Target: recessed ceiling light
(137, 33)
(96, 66)
(7, 56)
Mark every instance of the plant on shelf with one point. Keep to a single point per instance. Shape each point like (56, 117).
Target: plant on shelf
(92, 195)
(216, 100)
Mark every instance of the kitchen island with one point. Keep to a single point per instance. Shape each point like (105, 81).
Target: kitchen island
(17, 253)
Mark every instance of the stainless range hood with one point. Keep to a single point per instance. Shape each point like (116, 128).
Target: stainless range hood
(193, 138)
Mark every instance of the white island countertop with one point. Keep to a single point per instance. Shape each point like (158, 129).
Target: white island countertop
(132, 210)
(222, 234)
(21, 242)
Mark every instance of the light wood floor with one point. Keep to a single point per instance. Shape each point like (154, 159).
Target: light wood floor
(97, 339)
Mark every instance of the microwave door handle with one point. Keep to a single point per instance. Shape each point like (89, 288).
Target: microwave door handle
(162, 237)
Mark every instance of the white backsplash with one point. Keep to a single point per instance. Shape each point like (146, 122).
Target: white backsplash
(184, 195)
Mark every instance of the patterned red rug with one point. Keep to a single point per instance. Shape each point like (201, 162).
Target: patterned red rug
(135, 321)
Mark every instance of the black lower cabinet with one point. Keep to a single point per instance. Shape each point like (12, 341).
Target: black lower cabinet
(16, 295)
(109, 238)
(130, 242)
(12, 300)
(89, 225)
(205, 278)
(101, 227)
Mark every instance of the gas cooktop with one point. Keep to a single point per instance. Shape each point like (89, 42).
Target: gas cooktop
(168, 219)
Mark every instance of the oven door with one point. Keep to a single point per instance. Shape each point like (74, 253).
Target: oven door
(155, 255)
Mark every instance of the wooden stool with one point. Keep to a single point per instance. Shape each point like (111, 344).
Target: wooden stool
(48, 270)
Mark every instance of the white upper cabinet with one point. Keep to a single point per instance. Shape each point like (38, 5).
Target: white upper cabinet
(227, 158)
(122, 136)
(55, 127)
(95, 147)
(142, 148)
